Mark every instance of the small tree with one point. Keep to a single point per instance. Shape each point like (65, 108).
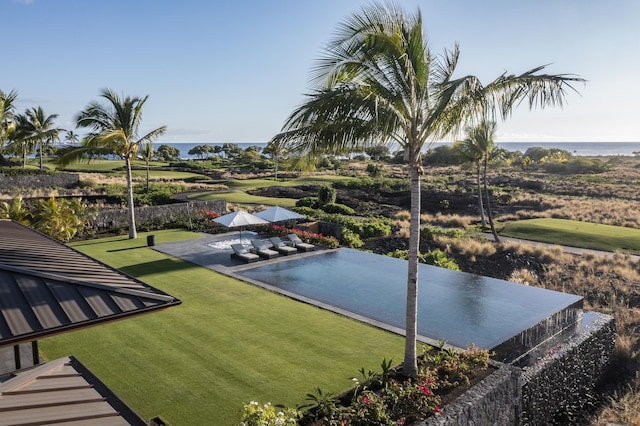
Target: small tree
(167, 153)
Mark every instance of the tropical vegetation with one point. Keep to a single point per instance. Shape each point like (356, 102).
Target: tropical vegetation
(114, 129)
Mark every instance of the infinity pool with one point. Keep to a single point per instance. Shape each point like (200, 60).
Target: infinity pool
(458, 307)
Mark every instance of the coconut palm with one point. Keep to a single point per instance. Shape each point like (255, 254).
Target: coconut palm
(71, 137)
(468, 152)
(7, 123)
(37, 130)
(480, 144)
(146, 154)
(378, 82)
(114, 129)
(276, 151)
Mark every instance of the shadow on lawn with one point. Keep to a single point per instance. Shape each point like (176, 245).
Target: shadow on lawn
(157, 267)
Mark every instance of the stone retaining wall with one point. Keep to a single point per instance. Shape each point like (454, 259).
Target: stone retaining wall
(157, 215)
(555, 386)
(493, 401)
(54, 180)
(562, 382)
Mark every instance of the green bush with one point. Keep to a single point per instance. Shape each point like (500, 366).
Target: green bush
(338, 208)
(350, 239)
(439, 258)
(374, 227)
(374, 170)
(310, 202)
(326, 195)
(428, 232)
(19, 171)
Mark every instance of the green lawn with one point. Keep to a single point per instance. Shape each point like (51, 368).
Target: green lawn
(228, 343)
(240, 197)
(576, 234)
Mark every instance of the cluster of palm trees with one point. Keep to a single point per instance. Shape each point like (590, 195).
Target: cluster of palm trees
(113, 129)
(379, 82)
(22, 134)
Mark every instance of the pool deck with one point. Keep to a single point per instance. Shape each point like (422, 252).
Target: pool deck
(199, 252)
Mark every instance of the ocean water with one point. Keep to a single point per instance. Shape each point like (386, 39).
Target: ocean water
(588, 149)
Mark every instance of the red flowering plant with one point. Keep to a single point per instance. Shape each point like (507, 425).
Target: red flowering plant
(306, 236)
(210, 214)
(411, 399)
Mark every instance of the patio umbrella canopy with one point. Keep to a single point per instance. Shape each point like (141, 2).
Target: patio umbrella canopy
(278, 214)
(238, 219)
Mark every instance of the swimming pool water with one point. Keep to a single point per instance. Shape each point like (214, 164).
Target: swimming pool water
(458, 307)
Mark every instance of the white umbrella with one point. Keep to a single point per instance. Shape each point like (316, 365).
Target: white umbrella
(278, 214)
(239, 219)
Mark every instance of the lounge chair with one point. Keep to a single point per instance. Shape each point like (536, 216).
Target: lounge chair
(282, 248)
(241, 253)
(299, 245)
(263, 249)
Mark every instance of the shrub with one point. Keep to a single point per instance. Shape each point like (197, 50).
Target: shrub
(374, 227)
(351, 239)
(338, 209)
(254, 414)
(326, 195)
(429, 232)
(310, 202)
(439, 258)
(374, 170)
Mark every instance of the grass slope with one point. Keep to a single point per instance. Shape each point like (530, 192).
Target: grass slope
(576, 234)
(228, 343)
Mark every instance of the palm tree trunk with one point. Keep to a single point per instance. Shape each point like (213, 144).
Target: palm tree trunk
(486, 191)
(483, 220)
(410, 366)
(40, 155)
(132, 215)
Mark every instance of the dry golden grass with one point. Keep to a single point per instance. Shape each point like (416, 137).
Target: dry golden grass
(524, 276)
(622, 410)
(449, 220)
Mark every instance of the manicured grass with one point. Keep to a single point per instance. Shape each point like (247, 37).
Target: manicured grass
(228, 343)
(576, 234)
(167, 174)
(241, 197)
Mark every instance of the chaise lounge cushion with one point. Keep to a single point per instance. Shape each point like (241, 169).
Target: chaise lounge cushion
(241, 253)
(282, 248)
(299, 245)
(263, 249)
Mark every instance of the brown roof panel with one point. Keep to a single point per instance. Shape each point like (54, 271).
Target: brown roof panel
(61, 391)
(47, 287)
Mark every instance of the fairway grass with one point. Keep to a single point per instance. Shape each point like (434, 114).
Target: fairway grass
(576, 234)
(228, 343)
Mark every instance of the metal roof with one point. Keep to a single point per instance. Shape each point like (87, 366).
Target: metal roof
(61, 391)
(48, 288)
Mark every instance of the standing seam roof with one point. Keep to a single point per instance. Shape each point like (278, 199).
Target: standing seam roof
(47, 288)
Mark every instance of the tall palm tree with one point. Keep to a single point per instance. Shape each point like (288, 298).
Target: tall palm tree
(378, 82)
(7, 123)
(146, 154)
(470, 153)
(71, 137)
(37, 130)
(480, 143)
(114, 129)
(276, 151)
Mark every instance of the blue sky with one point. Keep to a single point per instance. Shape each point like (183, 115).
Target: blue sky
(233, 71)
